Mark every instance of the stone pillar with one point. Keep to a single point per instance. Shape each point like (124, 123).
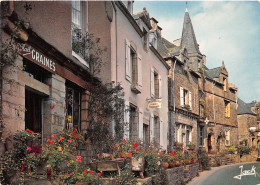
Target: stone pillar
(13, 98)
(54, 107)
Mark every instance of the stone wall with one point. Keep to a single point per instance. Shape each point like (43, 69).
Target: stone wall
(191, 171)
(175, 175)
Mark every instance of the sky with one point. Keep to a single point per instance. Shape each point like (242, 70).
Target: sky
(226, 31)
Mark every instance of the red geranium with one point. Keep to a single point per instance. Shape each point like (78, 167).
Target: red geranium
(138, 148)
(69, 141)
(78, 159)
(99, 174)
(48, 140)
(52, 142)
(114, 146)
(61, 138)
(53, 135)
(124, 140)
(90, 171)
(121, 143)
(135, 145)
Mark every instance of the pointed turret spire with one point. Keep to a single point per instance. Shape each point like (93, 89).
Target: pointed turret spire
(188, 39)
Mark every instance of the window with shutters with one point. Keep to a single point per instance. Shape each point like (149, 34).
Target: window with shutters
(185, 98)
(146, 134)
(79, 48)
(133, 67)
(227, 109)
(227, 139)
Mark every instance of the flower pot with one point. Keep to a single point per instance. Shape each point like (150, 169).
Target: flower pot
(171, 164)
(165, 164)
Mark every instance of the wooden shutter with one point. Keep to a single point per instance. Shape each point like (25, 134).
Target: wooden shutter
(181, 97)
(160, 86)
(126, 120)
(141, 136)
(228, 111)
(152, 82)
(190, 100)
(139, 69)
(151, 127)
(127, 60)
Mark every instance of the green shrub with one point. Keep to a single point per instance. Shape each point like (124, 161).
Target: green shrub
(242, 150)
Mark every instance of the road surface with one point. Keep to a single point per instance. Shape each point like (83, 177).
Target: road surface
(236, 174)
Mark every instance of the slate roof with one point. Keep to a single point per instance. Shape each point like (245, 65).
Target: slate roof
(244, 108)
(188, 39)
(212, 73)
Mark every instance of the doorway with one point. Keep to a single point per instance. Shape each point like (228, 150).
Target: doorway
(209, 143)
(33, 113)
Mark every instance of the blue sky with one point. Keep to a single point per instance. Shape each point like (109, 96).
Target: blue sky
(228, 31)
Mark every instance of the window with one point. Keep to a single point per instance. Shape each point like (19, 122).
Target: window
(133, 122)
(185, 98)
(201, 136)
(225, 84)
(73, 109)
(146, 134)
(227, 109)
(157, 131)
(227, 139)
(79, 50)
(156, 84)
(133, 67)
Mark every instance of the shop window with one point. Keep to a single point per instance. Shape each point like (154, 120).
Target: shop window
(33, 70)
(33, 113)
(73, 109)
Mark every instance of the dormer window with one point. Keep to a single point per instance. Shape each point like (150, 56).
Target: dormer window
(130, 7)
(225, 84)
(145, 40)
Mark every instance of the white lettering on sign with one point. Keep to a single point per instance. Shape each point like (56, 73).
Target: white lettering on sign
(37, 57)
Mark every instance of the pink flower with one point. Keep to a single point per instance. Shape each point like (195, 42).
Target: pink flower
(28, 149)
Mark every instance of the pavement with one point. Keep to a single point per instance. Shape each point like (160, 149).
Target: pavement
(235, 174)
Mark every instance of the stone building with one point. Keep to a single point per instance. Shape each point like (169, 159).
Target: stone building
(248, 123)
(46, 89)
(136, 65)
(213, 99)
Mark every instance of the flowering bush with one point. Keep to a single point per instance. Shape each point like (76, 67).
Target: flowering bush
(127, 146)
(25, 147)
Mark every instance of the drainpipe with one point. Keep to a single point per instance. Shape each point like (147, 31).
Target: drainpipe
(215, 139)
(173, 105)
(116, 38)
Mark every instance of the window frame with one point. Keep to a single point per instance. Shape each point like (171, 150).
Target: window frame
(81, 26)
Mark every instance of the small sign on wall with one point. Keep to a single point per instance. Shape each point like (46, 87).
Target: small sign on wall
(154, 103)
